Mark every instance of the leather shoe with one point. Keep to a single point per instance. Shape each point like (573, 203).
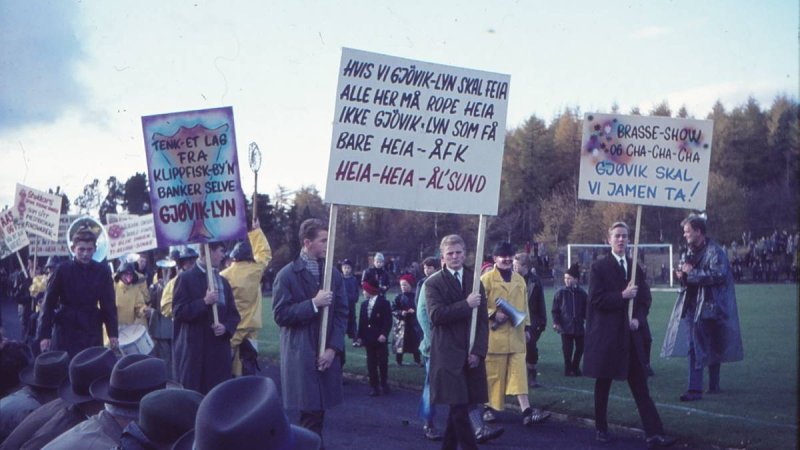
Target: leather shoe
(713, 391)
(374, 393)
(602, 437)
(691, 396)
(486, 433)
(432, 434)
(534, 415)
(660, 441)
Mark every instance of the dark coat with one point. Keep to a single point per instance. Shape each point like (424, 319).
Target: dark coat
(718, 338)
(452, 381)
(609, 339)
(569, 310)
(380, 323)
(411, 334)
(377, 277)
(43, 425)
(304, 387)
(201, 359)
(70, 314)
(536, 305)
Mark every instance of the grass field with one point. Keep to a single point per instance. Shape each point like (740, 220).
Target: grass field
(758, 406)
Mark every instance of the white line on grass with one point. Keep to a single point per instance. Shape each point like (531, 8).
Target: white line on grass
(687, 409)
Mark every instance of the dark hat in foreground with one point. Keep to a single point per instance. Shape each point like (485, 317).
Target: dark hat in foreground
(48, 370)
(503, 249)
(87, 366)
(574, 271)
(167, 414)
(187, 252)
(133, 377)
(347, 262)
(245, 413)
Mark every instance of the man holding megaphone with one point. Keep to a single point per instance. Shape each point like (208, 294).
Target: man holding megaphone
(506, 373)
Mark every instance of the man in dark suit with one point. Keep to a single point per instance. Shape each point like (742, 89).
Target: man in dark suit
(457, 372)
(615, 343)
(374, 325)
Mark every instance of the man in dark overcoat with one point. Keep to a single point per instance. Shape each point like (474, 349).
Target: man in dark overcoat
(457, 373)
(202, 348)
(312, 383)
(615, 344)
(79, 300)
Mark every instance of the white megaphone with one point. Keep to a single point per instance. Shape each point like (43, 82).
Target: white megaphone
(516, 316)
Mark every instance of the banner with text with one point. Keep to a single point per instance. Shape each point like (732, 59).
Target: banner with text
(39, 210)
(657, 161)
(133, 234)
(12, 233)
(59, 247)
(193, 171)
(416, 136)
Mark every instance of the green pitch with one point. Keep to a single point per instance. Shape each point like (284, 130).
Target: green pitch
(758, 405)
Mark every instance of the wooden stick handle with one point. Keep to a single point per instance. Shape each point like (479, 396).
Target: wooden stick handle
(635, 257)
(22, 266)
(476, 279)
(211, 281)
(328, 278)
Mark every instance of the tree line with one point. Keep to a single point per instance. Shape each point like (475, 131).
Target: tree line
(753, 186)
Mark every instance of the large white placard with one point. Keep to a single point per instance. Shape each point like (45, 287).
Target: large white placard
(39, 210)
(656, 161)
(133, 234)
(416, 136)
(58, 247)
(12, 233)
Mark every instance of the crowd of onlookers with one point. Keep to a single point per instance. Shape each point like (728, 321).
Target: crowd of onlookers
(769, 259)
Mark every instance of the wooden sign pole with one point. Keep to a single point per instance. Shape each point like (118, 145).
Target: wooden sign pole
(635, 257)
(328, 278)
(211, 281)
(476, 279)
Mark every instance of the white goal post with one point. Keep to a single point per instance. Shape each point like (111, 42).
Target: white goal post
(643, 254)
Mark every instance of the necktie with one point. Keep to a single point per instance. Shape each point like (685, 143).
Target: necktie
(458, 277)
(624, 269)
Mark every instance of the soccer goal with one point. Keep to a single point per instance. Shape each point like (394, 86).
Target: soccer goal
(656, 260)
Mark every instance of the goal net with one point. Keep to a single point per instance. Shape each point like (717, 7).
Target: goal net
(657, 260)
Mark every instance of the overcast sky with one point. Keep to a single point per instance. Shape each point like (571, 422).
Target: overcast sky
(76, 77)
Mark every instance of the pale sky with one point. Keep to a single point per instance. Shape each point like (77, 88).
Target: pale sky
(76, 77)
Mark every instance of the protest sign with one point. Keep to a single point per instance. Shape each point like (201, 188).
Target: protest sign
(39, 210)
(12, 233)
(656, 161)
(416, 136)
(133, 234)
(58, 247)
(193, 171)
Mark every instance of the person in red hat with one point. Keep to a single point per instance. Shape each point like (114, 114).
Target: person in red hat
(374, 325)
(406, 328)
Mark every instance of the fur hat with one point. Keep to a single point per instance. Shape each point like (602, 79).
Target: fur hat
(503, 249)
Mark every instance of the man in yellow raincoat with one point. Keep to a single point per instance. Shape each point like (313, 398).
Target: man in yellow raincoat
(250, 258)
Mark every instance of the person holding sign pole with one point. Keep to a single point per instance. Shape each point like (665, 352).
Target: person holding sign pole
(312, 382)
(79, 301)
(615, 344)
(201, 346)
(457, 372)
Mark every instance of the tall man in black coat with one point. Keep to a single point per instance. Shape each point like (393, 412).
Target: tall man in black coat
(614, 344)
(457, 373)
(202, 348)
